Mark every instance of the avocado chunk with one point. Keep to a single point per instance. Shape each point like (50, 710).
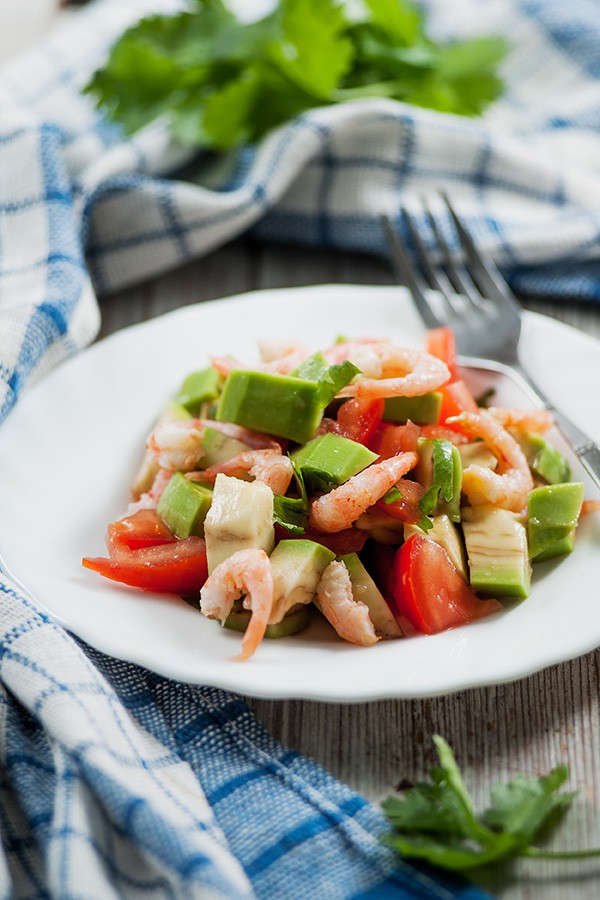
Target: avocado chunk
(240, 518)
(199, 388)
(297, 567)
(239, 618)
(184, 505)
(553, 512)
(330, 459)
(446, 534)
(366, 591)
(219, 447)
(148, 470)
(281, 405)
(496, 542)
(439, 470)
(423, 410)
(544, 460)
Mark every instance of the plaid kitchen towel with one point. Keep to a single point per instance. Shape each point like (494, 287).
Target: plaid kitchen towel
(116, 782)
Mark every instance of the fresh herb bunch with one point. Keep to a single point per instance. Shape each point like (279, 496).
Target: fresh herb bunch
(221, 82)
(436, 822)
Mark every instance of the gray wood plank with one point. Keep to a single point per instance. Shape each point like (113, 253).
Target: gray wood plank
(497, 732)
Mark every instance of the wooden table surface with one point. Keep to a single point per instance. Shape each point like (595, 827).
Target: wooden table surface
(496, 732)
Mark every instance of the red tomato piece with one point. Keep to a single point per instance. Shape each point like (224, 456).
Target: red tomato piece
(456, 398)
(351, 540)
(178, 567)
(144, 528)
(441, 342)
(430, 592)
(406, 508)
(390, 440)
(359, 418)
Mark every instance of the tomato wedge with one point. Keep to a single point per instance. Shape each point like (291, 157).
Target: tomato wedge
(405, 508)
(145, 528)
(456, 398)
(359, 418)
(430, 592)
(178, 567)
(441, 342)
(389, 440)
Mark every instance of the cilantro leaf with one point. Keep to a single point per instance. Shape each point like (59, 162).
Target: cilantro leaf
(220, 82)
(292, 512)
(312, 49)
(436, 821)
(331, 379)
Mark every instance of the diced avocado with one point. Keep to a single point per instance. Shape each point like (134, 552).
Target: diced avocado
(148, 470)
(447, 535)
(330, 460)
(440, 465)
(297, 566)
(239, 618)
(240, 517)
(199, 388)
(423, 410)
(476, 453)
(282, 405)
(219, 447)
(184, 505)
(552, 515)
(366, 591)
(496, 542)
(545, 460)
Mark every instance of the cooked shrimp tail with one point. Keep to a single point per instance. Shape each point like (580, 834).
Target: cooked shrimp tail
(245, 573)
(349, 617)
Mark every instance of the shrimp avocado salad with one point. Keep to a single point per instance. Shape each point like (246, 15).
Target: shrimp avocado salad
(362, 483)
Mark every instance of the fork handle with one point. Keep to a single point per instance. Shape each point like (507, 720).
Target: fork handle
(585, 448)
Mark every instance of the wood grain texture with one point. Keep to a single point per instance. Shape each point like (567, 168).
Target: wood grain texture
(496, 732)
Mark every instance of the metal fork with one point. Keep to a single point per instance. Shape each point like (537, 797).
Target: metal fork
(467, 292)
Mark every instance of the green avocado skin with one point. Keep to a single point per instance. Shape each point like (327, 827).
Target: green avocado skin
(281, 405)
(552, 515)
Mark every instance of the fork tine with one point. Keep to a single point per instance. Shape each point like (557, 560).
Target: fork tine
(490, 280)
(409, 275)
(459, 276)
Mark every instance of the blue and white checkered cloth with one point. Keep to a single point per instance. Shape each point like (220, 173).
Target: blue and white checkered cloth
(117, 782)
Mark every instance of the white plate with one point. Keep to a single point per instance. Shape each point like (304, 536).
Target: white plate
(73, 442)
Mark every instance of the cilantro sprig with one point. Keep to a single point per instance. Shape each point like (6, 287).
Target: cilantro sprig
(221, 82)
(437, 822)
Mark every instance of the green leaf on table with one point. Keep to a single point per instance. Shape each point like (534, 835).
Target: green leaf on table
(399, 19)
(436, 821)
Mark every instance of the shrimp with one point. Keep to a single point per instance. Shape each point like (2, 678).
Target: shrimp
(255, 439)
(177, 445)
(389, 371)
(343, 505)
(278, 357)
(245, 572)
(149, 499)
(536, 420)
(269, 466)
(507, 488)
(349, 617)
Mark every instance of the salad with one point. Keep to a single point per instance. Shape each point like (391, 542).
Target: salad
(363, 483)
